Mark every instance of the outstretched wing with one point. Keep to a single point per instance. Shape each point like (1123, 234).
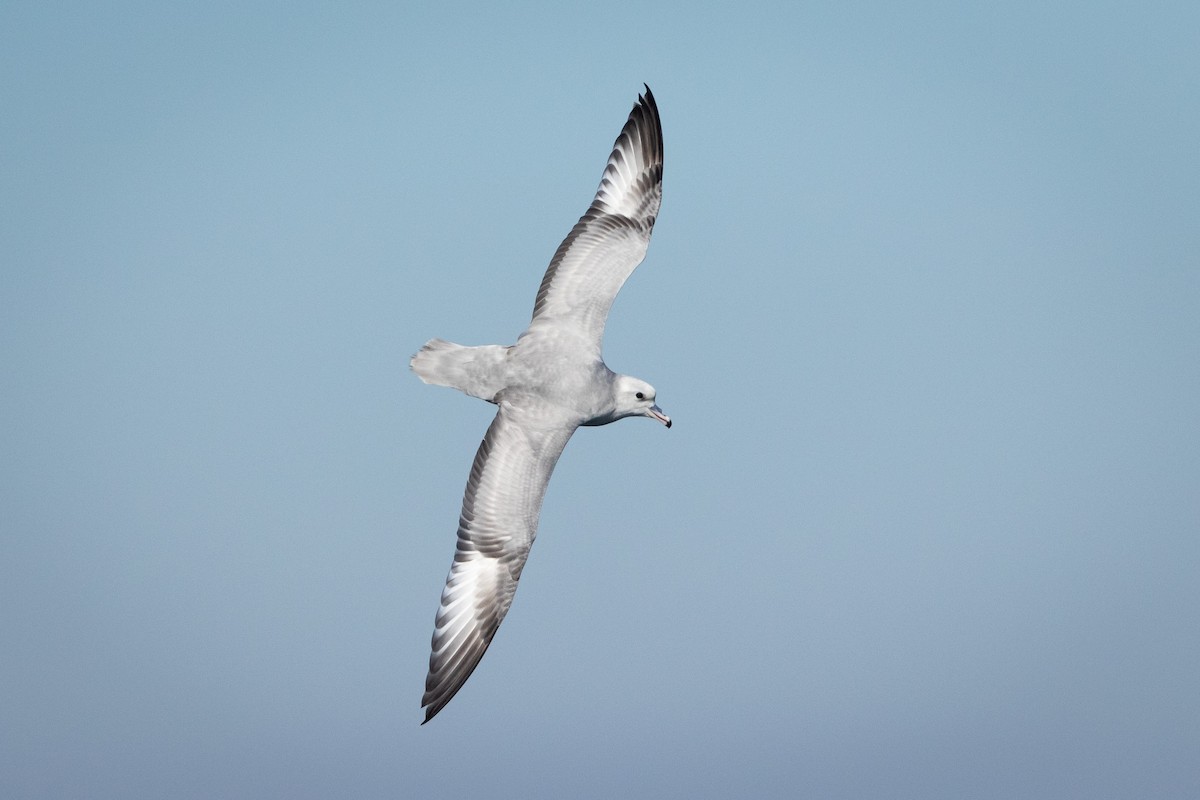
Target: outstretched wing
(611, 238)
(499, 520)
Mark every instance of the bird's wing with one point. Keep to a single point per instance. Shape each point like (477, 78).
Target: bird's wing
(611, 238)
(499, 520)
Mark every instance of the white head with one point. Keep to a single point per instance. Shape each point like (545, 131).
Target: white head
(635, 398)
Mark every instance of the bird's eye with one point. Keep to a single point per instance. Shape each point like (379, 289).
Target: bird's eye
(640, 396)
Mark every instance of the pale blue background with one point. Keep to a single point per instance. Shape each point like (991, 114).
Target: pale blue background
(923, 301)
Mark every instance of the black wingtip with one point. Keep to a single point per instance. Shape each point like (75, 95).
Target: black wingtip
(645, 117)
(432, 710)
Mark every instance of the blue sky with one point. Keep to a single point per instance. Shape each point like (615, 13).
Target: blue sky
(923, 302)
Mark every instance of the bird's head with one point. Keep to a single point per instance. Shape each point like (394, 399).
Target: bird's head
(635, 398)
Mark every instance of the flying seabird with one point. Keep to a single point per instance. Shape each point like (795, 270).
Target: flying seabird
(549, 383)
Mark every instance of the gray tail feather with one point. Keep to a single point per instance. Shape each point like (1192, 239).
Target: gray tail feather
(478, 371)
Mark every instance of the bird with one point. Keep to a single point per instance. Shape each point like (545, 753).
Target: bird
(546, 386)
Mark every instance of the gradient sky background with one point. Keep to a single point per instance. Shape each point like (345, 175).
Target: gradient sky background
(923, 302)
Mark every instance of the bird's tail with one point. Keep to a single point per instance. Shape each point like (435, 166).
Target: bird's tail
(478, 371)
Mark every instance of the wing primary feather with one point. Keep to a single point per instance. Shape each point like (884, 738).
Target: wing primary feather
(501, 506)
(610, 239)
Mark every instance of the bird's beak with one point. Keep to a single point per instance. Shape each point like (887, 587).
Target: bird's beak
(657, 413)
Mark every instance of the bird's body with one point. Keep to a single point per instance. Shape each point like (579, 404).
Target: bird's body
(548, 384)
